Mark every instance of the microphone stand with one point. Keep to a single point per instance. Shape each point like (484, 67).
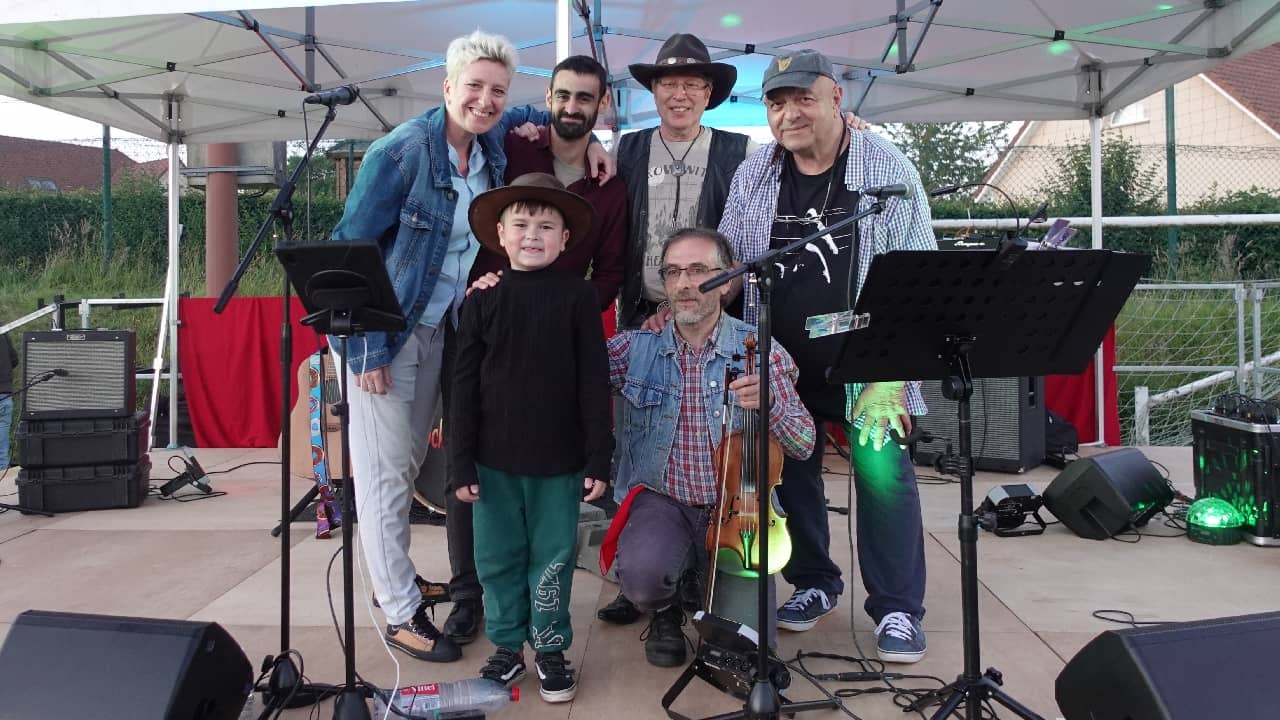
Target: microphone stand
(764, 702)
(286, 686)
(43, 377)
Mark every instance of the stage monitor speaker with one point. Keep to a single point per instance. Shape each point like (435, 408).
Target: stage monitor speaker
(1101, 496)
(70, 665)
(99, 379)
(1202, 670)
(1008, 419)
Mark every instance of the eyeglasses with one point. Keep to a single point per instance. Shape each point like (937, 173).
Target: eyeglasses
(689, 86)
(670, 273)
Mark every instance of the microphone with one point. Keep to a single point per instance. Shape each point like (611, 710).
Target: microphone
(60, 372)
(344, 95)
(944, 190)
(886, 191)
(197, 475)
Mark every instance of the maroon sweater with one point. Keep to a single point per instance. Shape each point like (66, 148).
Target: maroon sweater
(602, 250)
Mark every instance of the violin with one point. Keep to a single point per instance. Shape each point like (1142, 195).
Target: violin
(734, 531)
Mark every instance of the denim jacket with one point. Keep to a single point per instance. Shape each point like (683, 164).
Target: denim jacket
(404, 199)
(652, 388)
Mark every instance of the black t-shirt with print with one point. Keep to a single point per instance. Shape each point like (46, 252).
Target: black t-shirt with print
(814, 279)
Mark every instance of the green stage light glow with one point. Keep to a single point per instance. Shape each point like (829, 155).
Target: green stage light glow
(1059, 48)
(1214, 521)
(730, 20)
(1164, 7)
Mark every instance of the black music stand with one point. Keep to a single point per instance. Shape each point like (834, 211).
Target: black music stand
(346, 291)
(958, 315)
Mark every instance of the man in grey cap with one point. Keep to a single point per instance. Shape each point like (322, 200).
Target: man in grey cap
(807, 180)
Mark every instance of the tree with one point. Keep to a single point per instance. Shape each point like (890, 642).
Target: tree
(1129, 186)
(322, 170)
(950, 153)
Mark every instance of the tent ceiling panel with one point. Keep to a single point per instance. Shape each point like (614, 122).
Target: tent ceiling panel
(241, 75)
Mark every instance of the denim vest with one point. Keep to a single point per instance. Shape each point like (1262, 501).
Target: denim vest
(652, 393)
(404, 199)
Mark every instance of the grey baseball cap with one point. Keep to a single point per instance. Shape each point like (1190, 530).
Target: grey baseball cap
(798, 69)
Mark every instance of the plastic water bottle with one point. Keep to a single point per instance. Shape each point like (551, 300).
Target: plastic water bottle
(446, 699)
(250, 710)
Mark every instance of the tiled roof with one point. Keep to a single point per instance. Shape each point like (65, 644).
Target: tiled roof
(28, 163)
(1252, 80)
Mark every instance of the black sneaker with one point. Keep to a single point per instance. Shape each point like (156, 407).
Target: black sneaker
(432, 592)
(419, 638)
(464, 620)
(504, 667)
(619, 612)
(664, 641)
(558, 681)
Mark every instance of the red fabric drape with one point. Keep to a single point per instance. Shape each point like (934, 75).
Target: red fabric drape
(1072, 397)
(231, 368)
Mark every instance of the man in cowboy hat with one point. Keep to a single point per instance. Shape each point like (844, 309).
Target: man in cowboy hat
(806, 181)
(677, 174)
(534, 433)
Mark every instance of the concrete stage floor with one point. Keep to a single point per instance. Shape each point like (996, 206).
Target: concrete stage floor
(214, 560)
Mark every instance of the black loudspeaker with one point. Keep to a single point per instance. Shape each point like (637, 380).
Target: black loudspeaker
(99, 375)
(1008, 423)
(1099, 496)
(1202, 670)
(69, 665)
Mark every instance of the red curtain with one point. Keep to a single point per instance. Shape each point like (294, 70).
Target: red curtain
(1072, 397)
(231, 368)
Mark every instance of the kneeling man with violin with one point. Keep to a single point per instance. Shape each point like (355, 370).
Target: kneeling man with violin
(694, 397)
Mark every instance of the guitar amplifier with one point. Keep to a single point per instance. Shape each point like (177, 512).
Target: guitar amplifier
(91, 374)
(1007, 430)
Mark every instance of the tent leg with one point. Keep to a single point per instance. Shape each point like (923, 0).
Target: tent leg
(1095, 195)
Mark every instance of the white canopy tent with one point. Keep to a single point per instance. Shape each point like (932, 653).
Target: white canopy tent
(202, 72)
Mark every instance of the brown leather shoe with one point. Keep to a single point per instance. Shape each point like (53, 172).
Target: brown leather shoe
(419, 638)
(432, 592)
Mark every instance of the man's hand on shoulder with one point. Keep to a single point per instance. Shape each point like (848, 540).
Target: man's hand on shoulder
(484, 282)
(656, 322)
(601, 165)
(528, 131)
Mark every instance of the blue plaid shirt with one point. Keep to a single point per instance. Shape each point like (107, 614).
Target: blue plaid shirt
(904, 225)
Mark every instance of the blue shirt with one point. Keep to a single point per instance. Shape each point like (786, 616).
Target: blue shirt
(463, 246)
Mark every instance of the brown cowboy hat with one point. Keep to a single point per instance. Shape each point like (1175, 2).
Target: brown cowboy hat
(685, 53)
(487, 208)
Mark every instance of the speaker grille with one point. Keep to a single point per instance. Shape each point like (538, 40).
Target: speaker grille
(100, 374)
(1007, 427)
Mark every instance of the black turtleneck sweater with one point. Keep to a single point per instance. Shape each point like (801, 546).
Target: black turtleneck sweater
(531, 385)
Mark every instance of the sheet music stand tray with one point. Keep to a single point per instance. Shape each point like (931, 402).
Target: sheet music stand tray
(958, 315)
(346, 291)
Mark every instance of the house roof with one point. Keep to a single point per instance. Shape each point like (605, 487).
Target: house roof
(154, 169)
(32, 163)
(1252, 81)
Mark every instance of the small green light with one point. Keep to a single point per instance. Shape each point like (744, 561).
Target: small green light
(730, 20)
(1164, 7)
(1200, 461)
(1059, 48)
(893, 49)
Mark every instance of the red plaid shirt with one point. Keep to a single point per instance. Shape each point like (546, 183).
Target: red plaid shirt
(690, 476)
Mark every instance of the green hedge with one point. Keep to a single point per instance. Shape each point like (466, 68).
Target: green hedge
(33, 225)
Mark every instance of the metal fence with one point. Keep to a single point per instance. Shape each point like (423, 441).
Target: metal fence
(1180, 345)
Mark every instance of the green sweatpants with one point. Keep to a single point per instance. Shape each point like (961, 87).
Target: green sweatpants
(525, 532)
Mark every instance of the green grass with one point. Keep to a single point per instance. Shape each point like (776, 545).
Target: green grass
(1181, 327)
(76, 270)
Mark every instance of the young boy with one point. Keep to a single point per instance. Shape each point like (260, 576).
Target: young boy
(530, 411)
